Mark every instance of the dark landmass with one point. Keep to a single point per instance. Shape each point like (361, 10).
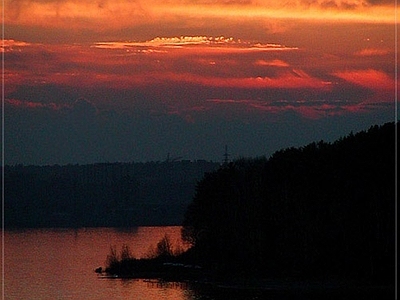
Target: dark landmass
(101, 195)
(320, 213)
(164, 270)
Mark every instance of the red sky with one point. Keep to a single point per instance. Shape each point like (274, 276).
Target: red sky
(182, 71)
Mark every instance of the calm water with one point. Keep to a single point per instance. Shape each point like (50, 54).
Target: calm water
(59, 264)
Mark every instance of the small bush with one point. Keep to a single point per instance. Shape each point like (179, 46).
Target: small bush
(112, 258)
(126, 253)
(126, 265)
(164, 248)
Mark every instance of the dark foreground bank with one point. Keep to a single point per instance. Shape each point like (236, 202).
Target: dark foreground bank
(209, 285)
(165, 269)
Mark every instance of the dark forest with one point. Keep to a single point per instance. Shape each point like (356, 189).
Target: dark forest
(322, 210)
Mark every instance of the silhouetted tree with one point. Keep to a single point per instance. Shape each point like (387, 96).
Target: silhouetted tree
(321, 209)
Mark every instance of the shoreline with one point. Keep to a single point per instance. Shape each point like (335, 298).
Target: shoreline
(284, 285)
(266, 287)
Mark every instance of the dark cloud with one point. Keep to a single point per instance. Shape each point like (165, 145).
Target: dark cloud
(381, 2)
(43, 136)
(83, 108)
(47, 93)
(344, 4)
(333, 4)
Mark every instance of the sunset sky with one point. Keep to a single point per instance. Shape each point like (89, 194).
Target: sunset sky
(121, 80)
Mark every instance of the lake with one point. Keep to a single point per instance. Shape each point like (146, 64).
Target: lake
(59, 264)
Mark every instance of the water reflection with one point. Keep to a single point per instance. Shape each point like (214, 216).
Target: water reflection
(59, 263)
(53, 264)
(153, 290)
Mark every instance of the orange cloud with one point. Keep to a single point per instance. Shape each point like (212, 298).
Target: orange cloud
(184, 71)
(288, 80)
(372, 52)
(271, 63)
(372, 79)
(91, 79)
(10, 45)
(75, 14)
(216, 45)
(104, 15)
(307, 109)
(126, 64)
(325, 11)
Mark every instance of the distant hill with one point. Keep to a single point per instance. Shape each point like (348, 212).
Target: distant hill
(104, 194)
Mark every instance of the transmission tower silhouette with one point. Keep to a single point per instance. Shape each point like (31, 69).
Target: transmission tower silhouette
(226, 155)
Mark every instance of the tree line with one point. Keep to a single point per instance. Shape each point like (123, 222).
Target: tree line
(325, 209)
(103, 194)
